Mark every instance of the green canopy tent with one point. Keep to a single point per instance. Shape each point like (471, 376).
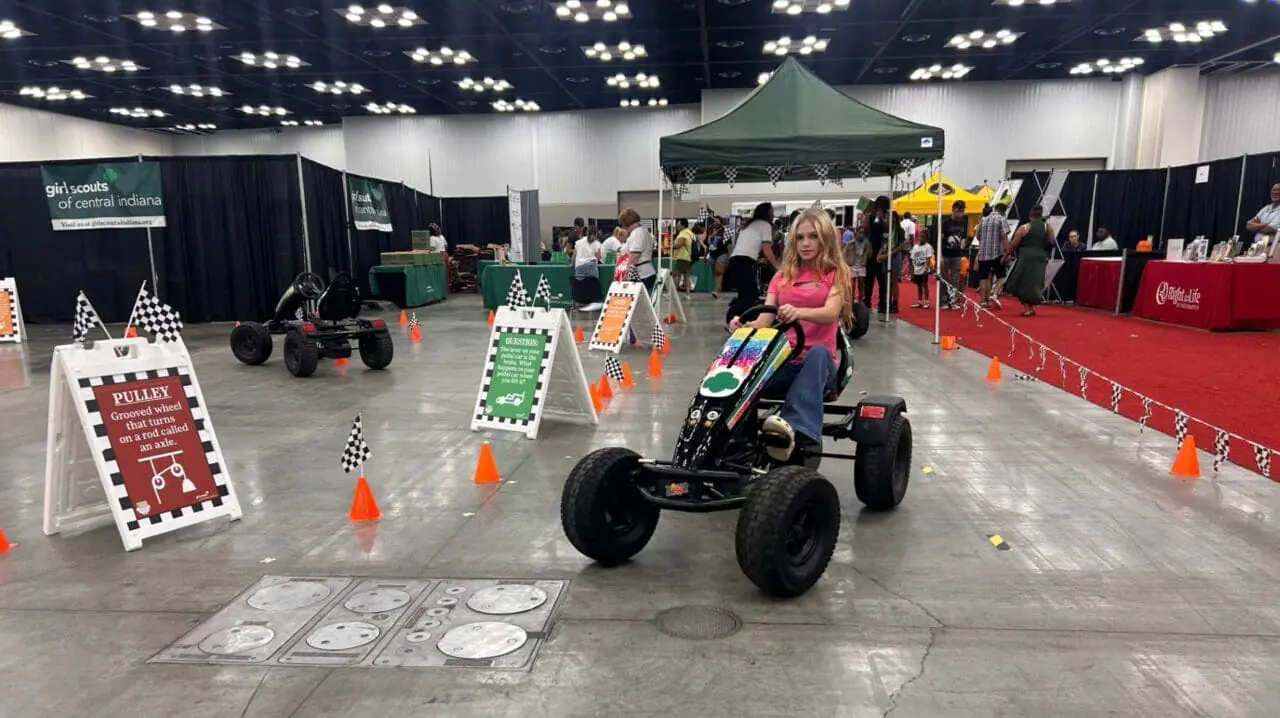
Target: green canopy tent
(795, 127)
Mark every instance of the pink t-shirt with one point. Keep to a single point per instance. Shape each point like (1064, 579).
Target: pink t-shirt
(810, 291)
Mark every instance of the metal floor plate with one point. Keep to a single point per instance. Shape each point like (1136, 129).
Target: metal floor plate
(349, 622)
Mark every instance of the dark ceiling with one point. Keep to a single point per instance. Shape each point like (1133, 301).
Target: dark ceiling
(690, 45)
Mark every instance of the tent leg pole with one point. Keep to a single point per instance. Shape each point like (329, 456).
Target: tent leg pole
(937, 262)
(657, 301)
(888, 256)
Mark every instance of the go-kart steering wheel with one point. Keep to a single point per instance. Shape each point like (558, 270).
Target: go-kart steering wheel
(309, 285)
(757, 310)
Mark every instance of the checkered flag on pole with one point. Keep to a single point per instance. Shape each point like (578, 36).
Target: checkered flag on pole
(633, 275)
(357, 451)
(86, 318)
(516, 294)
(658, 338)
(1262, 455)
(1116, 391)
(1221, 448)
(159, 319)
(1146, 415)
(613, 368)
(413, 322)
(543, 292)
(1180, 427)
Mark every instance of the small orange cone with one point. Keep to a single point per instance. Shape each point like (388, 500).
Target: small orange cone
(627, 383)
(948, 343)
(415, 334)
(404, 319)
(595, 397)
(577, 335)
(655, 363)
(606, 391)
(341, 361)
(130, 332)
(491, 317)
(4, 542)
(1186, 464)
(993, 371)
(486, 467)
(363, 507)
(666, 346)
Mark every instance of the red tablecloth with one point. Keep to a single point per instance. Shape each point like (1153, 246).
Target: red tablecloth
(1098, 284)
(1211, 295)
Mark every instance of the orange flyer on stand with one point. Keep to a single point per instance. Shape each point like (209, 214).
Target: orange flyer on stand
(6, 313)
(615, 318)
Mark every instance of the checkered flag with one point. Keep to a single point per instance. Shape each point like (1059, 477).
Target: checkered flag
(613, 368)
(633, 275)
(658, 339)
(1180, 427)
(731, 174)
(821, 172)
(864, 169)
(1262, 455)
(543, 292)
(1221, 447)
(1146, 415)
(689, 174)
(704, 213)
(86, 318)
(413, 322)
(1084, 380)
(908, 163)
(516, 295)
(357, 451)
(1116, 391)
(159, 319)
(775, 173)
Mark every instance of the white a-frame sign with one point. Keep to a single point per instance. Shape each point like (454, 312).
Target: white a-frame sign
(627, 311)
(667, 294)
(532, 371)
(12, 327)
(130, 440)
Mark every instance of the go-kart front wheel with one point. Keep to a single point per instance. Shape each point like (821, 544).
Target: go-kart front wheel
(881, 473)
(787, 530)
(301, 355)
(602, 511)
(377, 350)
(251, 343)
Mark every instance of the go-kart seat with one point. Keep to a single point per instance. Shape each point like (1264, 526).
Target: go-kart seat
(586, 291)
(341, 300)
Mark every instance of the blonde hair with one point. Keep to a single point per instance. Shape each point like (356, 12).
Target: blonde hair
(830, 259)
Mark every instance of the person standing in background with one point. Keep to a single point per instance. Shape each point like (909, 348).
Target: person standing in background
(717, 254)
(1030, 247)
(586, 257)
(909, 229)
(993, 240)
(877, 236)
(639, 246)
(436, 238)
(612, 244)
(953, 249)
(753, 240)
(682, 257)
(1266, 223)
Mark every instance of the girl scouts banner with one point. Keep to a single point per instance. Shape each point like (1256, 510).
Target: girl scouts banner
(369, 205)
(104, 195)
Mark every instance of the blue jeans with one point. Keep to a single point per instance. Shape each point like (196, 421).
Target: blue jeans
(805, 383)
(589, 269)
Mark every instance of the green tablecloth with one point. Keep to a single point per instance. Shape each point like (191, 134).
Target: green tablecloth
(496, 279)
(423, 284)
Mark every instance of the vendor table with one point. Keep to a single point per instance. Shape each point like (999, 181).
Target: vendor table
(495, 280)
(1210, 295)
(408, 285)
(1098, 283)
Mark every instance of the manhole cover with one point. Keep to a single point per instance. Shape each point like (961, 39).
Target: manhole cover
(289, 596)
(506, 600)
(377, 601)
(343, 636)
(478, 641)
(699, 623)
(238, 639)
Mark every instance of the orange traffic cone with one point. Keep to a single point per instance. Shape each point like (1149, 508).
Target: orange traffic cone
(948, 343)
(595, 397)
(491, 317)
(130, 332)
(627, 383)
(655, 363)
(363, 507)
(577, 335)
(486, 467)
(993, 371)
(1187, 463)
(415, 334)
(404, 319)
(606, 391)
(666, 346)
(341, 361)
(4, 542)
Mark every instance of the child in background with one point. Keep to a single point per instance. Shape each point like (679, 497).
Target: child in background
(855, 255)
(921, 257)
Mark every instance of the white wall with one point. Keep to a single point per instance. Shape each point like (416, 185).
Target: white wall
(28, 135)
(322, 144)
(1241, 115)
(1169, 131)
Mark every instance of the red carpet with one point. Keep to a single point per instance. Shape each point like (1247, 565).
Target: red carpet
(1224, 379)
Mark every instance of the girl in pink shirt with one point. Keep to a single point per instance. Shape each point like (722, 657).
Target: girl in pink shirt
(812, 288)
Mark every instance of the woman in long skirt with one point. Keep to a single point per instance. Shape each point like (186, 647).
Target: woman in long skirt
(1030, 246)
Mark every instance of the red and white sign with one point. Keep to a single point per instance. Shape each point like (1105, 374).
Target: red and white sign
(12, 328)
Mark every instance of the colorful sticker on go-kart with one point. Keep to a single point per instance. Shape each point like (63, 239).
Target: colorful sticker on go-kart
(780, 354)
(517, 364)
(739, 356)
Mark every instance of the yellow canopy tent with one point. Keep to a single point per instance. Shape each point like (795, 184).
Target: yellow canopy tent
(924, 200)
(984, 191)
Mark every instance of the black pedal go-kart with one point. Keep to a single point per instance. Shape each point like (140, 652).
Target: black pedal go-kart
(789, 516)
(317, 322)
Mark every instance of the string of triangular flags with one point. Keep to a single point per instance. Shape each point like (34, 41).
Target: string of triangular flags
(1222, 438)
(823, 172)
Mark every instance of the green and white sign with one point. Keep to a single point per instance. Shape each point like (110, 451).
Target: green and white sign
(369, 205)
(104, 195)
(517, 366)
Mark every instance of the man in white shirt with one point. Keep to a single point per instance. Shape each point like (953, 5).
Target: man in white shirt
(436, 238)
(1103, 242)
(909, 228)
(1266, 223)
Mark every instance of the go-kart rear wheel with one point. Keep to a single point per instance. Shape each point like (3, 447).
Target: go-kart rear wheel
(377, 350)
(602, 511)
(861, 320)
(881, 473)
(787, 530)
(301, 356)
(251, 343)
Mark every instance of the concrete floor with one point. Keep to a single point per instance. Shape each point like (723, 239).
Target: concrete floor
(1125, 592)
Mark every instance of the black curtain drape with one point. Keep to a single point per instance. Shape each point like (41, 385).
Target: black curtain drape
(234, 238)
(1130, 205)
(1075, 201)
(326, 219)
(1260, 173)
(426, 210)
(1028, 194)
(1207, 209)
(476, 220)
(50, 267)
(368, 245)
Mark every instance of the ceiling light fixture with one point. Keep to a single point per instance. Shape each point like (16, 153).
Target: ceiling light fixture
(338, 88)
(622, 51)
(952, 72)
(487, 84)
(271, 60)
(652, 102)
(1019, 3)
(174, 21)
(1184, 33)
(197, 90)
(295, 123)
(795, 7)
(1108, 67)
(9, 31)
(137, 112)
(53, 94)
(517, 104)
(640, 81)
(389, 108)
(380, 16)
(444, 56)
(588, 10)
(785, 45)
(263, 110)
(763, 77)
(985, 40)
(194, 128)
(104, 64)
